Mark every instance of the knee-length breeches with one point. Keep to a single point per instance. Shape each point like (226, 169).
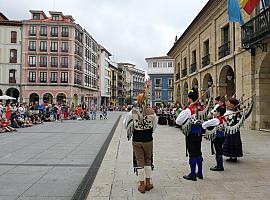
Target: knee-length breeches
(193, 144)
(143, 152)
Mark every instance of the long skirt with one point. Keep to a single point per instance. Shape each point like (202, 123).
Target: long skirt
(232, 146)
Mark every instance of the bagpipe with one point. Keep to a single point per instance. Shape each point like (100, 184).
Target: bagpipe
(231, 128)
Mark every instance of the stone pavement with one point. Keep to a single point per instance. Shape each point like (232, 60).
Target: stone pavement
(247, 179)
(49, 161)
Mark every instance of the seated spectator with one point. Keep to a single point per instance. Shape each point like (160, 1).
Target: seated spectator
(5, 126)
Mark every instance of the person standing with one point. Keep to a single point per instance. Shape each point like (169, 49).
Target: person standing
(232, 147)
(8, 111)
(219, 135)
(94, 111)
(193, 138)
(140, 123)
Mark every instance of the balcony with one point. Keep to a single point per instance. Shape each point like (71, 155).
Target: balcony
(79, 53)
(64, 65)
(43, 50)
(32, 48)
(206, 60)
(193, 67)
(54, 50)
(32, 33)
(53, 81)
(54, 34)
(54, 64)
(64, 50)
(12, 80)
(43, 64)
(170, 87)
(224, 50)
(184, 72)
(78, 67)
(13, 60)
(177, 76)
(64, 34)
(43, 34)
(32, 64)
(256, 29)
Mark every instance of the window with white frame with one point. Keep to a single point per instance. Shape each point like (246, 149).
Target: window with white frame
(32, 61)
(64, 77)
(43, 77)
(158, 94)
(170, 83)
(32, 77)
(158, 83)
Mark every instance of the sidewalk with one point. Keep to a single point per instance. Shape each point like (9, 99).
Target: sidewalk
(247, 179)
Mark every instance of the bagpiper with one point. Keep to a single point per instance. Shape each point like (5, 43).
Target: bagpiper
(140, 123)
(193, 132)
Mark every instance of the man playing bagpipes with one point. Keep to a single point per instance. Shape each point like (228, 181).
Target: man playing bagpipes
(193, 132)
(140, 123)
(219, 138)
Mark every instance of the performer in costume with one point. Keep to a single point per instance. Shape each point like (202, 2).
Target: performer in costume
(140, 123)
(232, 145)
(193, 138)
(218, 140)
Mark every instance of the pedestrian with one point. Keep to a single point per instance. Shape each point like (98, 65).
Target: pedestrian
(94, 111)
(232, 147)
(140, 123)
(194, 137)
(8, 111)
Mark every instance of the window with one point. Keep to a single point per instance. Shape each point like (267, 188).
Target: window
(64, 47)
(157, 94)
(64, 77)
(225, 34)
(43, 30)
(64, 31)
(64, 62)
(159, 64)
(12, 78)
(53, 77)
(43, 77)
(184, 63)
(43, 61)
(32, 77)
(13, 56)
(154, 64)
(36, 16)
(206, 48)
(54, 46)
(169, 64)
(54, 31)
(32, 30)
(43, 46)
(158, 83)
(193, 57)
(55, 17)
(170, 95)
(32, 46)
(54, 61)
(13, 38)
(170, 83)
(32, 61)
(164, 64)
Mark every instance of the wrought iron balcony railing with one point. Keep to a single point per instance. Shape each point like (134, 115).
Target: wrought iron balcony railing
(206, 60)
(193, 67)
(177, 76)
(256, 29)
(184, 72)
(224, 50)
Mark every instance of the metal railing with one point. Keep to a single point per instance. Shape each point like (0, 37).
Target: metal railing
(184, 72)
(193, 67)
(206, 60)
(224, 50)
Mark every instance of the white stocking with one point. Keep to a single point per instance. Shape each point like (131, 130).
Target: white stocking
(141, 174)
(148, 171)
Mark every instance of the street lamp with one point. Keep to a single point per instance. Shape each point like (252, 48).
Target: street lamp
(210, 82)
(229, 76)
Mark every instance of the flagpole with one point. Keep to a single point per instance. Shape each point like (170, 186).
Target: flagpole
(263, 5)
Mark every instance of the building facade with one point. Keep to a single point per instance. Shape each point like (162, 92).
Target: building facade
(213, 51)
(105, 77)
(53, 68)
(114, 101)
(91, 70)
(10, 57)
(121, 84)
(160, 70)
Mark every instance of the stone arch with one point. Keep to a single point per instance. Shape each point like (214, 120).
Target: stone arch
(207, 82)
(48, 98)
(33, 98)
(263, 94)
(185, 93)
(75, 100)
(13, 92)
(61, 98)
(195, 83)
(226, 82)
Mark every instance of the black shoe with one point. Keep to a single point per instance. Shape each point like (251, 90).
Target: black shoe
(189, 177)
(199, 176)
(232, 160)
(216, 168)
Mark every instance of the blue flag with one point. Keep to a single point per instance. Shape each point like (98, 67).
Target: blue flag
(266, 3)
(234, 12)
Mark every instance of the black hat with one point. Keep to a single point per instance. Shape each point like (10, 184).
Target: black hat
(193, 94)
(217, 98)
(221, 110)
(234, 101)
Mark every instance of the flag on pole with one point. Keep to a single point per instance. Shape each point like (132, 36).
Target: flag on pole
(250, 5)
(234, 12)
(266, 3)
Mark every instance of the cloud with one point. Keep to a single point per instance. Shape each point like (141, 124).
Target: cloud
(131, 30)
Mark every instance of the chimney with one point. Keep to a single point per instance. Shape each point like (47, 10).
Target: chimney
(175, 39)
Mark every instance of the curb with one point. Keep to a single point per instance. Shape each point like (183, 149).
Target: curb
(89, 178)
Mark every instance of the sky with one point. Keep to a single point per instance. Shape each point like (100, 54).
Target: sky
(131, 30)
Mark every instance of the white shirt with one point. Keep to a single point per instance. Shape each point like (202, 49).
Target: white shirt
(183, 116)
(211, 122)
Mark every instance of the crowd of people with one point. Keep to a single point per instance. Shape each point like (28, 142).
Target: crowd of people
(14, 115)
